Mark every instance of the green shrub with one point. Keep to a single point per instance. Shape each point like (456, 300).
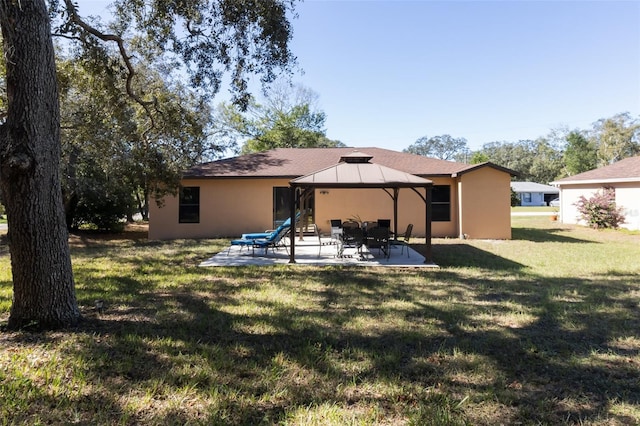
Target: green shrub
(600, 211)
(515, 199)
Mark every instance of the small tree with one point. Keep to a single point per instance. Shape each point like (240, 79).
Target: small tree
(600, 211)
(515, 199)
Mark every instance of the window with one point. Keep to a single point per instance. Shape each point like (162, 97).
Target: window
(281, 204)
(441, 203)
(526, 197)
(189, 211)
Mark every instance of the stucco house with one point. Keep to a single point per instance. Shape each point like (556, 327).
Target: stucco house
(228, 197)
(534, 194)
(623, 176)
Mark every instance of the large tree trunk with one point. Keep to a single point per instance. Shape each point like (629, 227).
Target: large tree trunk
(43, 288)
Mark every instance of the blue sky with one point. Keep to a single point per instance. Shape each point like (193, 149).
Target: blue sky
(389, 72)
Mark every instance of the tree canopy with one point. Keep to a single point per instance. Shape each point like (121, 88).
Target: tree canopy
(580, 154)
(558, 154)
(112, 160)
(287, 118)
(444, 147)
(203, 39)
(616, 138)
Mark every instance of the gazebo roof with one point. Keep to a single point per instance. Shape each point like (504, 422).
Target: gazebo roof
(356, 171)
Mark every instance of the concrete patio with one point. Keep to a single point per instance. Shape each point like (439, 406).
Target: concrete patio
(319, 252)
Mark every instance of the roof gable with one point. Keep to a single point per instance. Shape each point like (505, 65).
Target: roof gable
(534, 187)
(296, 162)
(471, 167)
(627, 169)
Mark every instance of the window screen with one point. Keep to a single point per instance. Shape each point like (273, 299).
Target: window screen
(441, 203)
(189, 205)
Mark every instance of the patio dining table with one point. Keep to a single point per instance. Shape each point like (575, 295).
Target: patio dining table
(369, 237)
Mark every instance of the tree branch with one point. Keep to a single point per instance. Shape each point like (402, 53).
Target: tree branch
(131, 72)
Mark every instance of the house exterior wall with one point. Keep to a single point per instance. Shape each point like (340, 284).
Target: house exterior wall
(485, 197)
(537, 199)
(627, 197)
(230, 207)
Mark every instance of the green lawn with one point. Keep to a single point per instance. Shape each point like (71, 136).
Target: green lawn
(538, 209)
(542, 329)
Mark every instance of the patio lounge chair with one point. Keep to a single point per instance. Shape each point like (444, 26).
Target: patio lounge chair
(405, 240)
(274, 241)
(267, 234)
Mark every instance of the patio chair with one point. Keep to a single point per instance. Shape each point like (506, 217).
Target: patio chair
(352, 237)
(378, 237)
(274, 240)
(335, 236)
(384, 223)
(405, 240)
(369, 224)
(336, 228)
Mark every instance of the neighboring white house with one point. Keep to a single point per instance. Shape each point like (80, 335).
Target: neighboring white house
(534, 194)
(623, 176)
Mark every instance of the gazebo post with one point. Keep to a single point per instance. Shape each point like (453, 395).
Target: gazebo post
(396, 193)
(292, 230)
(428, 258)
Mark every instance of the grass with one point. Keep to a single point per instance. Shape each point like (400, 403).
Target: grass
(532, 209)
(542, 329)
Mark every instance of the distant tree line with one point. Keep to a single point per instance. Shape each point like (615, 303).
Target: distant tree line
(559, 154)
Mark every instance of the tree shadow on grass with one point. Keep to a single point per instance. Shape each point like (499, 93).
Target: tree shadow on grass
(465, 255)
(547, 345)
(191, 340)
(543, 235)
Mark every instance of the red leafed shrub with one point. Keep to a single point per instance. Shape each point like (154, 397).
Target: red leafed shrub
(600, 211)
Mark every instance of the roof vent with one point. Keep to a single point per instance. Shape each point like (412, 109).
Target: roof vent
(356, 157)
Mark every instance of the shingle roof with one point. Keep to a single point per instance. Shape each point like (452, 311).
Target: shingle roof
(534, 187)
(627, 170)
(296, 162)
